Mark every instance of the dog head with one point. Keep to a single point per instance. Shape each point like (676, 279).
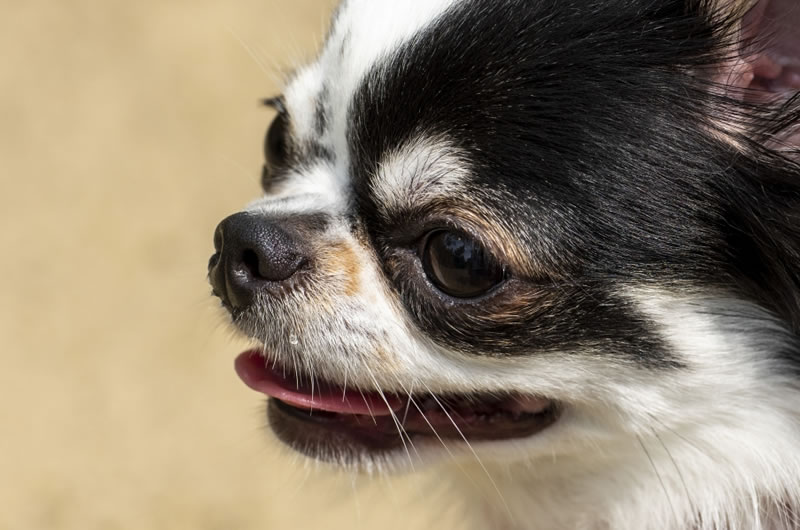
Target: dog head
(526, 228)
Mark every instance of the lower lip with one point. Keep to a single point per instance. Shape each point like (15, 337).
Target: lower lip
(328, 436)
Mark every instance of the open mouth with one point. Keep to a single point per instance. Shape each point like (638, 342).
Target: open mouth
(314, 418)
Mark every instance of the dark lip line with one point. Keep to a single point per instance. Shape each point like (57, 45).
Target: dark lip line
(375, 441)
(552, 408)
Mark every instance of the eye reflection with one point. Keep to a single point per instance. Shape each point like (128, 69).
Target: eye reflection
(458, 265)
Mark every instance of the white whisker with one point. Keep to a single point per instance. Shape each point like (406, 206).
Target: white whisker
(474, 453)
(249, 51)
(658, 475)
(366, 402)
(400, 429)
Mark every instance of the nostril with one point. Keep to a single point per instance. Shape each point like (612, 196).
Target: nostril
(213, 260)
(252, 253)
(250, 262)
(263, 265)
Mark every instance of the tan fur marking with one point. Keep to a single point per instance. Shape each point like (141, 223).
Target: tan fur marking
(340, 262)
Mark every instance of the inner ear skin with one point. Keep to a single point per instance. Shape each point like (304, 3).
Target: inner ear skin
(769, 52)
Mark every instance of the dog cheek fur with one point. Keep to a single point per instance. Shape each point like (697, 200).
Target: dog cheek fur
(703, 448)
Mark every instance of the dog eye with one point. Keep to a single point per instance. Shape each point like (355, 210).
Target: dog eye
(458, 265)
(275, 146)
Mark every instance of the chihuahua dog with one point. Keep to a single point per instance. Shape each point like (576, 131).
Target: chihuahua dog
(557, 239)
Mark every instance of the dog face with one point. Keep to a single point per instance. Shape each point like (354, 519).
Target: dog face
(525, 229)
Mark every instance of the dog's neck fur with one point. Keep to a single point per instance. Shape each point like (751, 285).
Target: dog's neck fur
(628, 494)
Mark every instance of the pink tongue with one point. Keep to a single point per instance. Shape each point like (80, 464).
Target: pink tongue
(258, 374)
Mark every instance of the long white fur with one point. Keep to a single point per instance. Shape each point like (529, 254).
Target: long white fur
(418, 173)
(363, 32)
(711, 446)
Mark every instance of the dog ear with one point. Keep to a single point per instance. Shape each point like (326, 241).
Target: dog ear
(758, 72)
(758, 81)
(765, 58)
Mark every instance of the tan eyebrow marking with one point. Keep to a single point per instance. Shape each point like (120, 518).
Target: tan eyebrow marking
(430, 177)
(419, 172)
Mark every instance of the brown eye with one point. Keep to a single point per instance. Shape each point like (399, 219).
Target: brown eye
(459, 265)
(275, 147)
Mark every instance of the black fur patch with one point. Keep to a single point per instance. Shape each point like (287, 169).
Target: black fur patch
(590, 123)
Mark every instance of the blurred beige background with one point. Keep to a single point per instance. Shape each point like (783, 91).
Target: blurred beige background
(127, 131)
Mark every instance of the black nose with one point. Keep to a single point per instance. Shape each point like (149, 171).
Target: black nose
(253, 252)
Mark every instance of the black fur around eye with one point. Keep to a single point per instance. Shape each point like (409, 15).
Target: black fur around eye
(276, 149)
(458, 265)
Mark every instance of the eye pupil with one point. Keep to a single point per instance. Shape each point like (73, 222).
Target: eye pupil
(459, 265)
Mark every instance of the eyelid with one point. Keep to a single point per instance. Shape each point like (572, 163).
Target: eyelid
(278, 103)
(427, 226)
